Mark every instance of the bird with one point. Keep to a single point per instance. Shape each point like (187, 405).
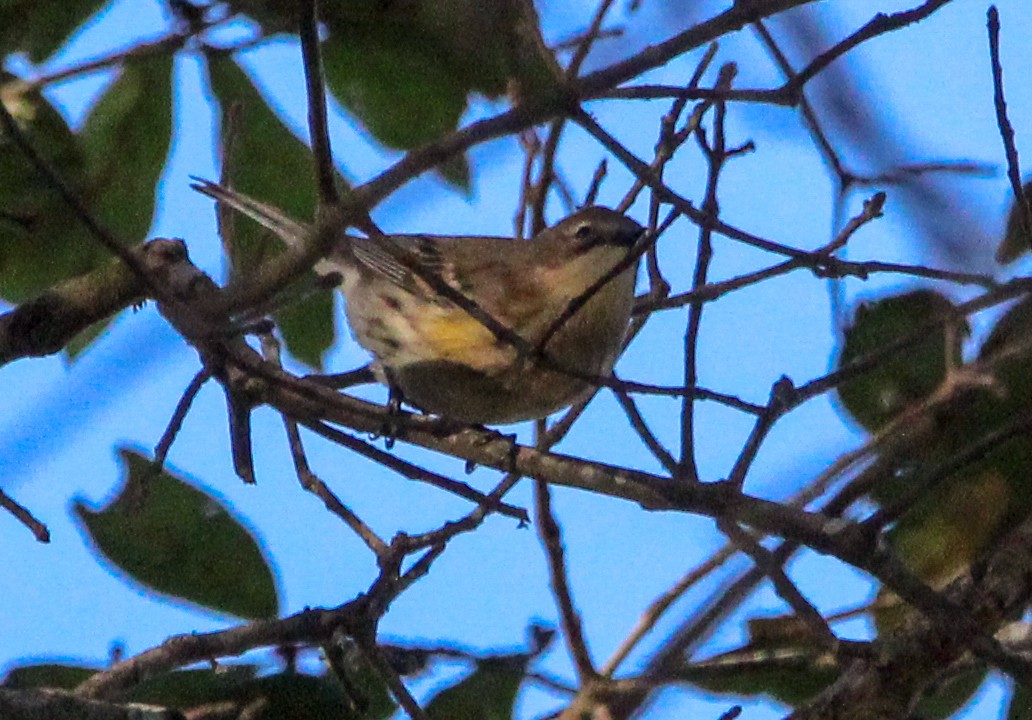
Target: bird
(481, 330)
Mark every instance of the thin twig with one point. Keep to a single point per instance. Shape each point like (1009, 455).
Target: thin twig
(465, 524)
(779, 403)
(569, 618)
(531, 145)
(637, 421)
(170, 43)
(716, 157)
(238, 414)
(1021, 202)
(414, 472)
(773, 568)
(316, 94)
(860, 269)
(546, 177)
(880, 24)
(670, 138)
(661, 604)
(309, 480)
(843, 176)
(175, 423)
(26, 518)
(307, 626)
(315, 485)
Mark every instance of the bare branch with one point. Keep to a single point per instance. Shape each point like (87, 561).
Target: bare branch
(551, 539)
(316, 92)
(26, 518)
(1004, 124)
(46, 324)
(175, 423)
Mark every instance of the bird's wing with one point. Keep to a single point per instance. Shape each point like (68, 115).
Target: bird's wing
(401, 259)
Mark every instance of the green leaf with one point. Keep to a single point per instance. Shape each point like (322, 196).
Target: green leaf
(308, 326)
(952, 696)
(189, 688)
(489, 693)
(879, 394)
(41, 242)
(176, 540)
(125, 142)
(1017, 238)
(946, 531)
(1010, 345)
(405, 69)
(1020, 707)
(301, 697)
(113, 166)
(393, 85)
(456, 171)
(85, 339)
(1007, 356)
(268, 162)
(791, 675)
(40, 28)
(492, 48)
(48, 675)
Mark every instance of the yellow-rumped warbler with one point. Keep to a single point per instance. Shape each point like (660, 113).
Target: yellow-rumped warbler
(444, 360)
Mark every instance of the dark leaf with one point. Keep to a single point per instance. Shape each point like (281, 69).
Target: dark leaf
(879, 394)
(493, 48)
(1017, 239)
(268, 162)
(405, 69)
(41, 242)
(456, 171)
(113, 166)
(308, 326)
(48, 675)
(397, 91)
(791, 673)
(125, 142)
(302, 697)
(489, 693)
(188, 688)
(1010, 344)
(40, 28)
(177, 540)
(1020, 707)
(946, 532)
(951, 696)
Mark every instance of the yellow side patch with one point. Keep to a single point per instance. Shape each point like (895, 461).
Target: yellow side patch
(457, 337)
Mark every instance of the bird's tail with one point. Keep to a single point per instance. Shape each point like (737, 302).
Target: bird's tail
(290, 231)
